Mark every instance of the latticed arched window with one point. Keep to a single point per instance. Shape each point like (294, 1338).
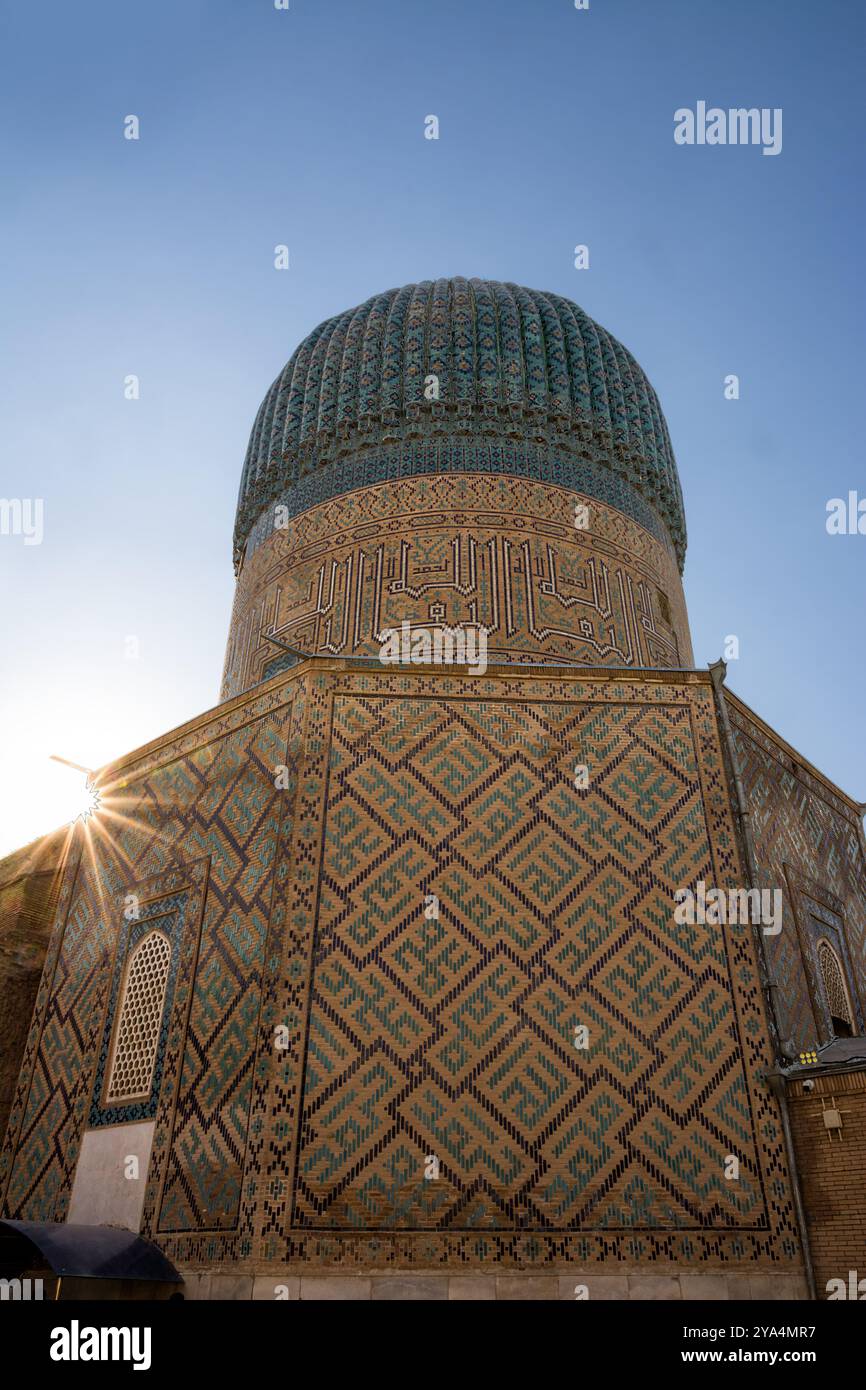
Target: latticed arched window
(841, 1018)
(137, 1035)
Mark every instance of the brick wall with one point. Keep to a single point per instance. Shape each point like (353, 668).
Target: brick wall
(28, 882)
(832, 1173)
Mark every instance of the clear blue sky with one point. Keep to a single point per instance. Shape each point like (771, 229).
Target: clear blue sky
(305, 127)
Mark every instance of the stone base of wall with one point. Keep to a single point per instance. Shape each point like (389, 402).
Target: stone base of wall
(487, 1286)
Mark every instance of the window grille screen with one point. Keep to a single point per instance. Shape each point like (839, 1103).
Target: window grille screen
(141, 1008)
(834, 983)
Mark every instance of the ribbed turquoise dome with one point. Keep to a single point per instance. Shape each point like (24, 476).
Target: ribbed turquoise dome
(508, 361)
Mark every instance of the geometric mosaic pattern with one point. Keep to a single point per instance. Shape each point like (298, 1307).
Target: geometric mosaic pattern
(455, 1037)
(462, 456)
(387, 1065)
(303, 910)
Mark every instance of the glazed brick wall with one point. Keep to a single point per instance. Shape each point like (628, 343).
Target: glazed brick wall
(308, 914)
(833, 1173)
(809, 843)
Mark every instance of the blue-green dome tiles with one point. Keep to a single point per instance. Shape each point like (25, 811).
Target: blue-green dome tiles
(509, 361)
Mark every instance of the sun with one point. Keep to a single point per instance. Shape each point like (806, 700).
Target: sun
(90, 800)
(82, 801)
